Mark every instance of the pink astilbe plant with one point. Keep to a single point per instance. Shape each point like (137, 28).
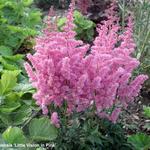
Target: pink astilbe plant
(61, 70)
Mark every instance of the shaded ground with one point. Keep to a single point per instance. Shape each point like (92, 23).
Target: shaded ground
(133, 119)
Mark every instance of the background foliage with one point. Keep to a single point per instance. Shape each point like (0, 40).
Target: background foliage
(18, 24)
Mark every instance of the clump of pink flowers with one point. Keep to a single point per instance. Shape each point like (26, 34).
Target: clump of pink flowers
(61, 70)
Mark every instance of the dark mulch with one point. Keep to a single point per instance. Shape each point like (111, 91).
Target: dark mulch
(133, 119)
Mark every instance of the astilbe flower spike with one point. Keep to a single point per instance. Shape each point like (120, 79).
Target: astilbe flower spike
(55, 120)
(61, 70)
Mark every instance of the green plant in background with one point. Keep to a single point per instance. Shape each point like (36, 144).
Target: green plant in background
(15, 106)
(141, 141)
(146, 111)
(18, 22)
(18, 122)
(141, 13)
(14, 62)
(142, 34)
(147, 115)
(39, 130)
(84, 27)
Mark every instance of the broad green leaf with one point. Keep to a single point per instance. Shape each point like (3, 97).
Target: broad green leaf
(1, 68)
(41, 148)
(12, 97)
(2, 98)
(21, 115)
(42, 130)
(24, 87)
(15, 58)
(12, 62)
(27, 2)
(140, 141)
(6, 65)
(147, 111)
(14, 135)
(11, 103)
(8, 81)
(5, 51)
(4, 147)
(61, 22)
(9, 108)
(6, 119)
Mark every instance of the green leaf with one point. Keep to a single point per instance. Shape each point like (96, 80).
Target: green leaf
(17, 57)
(14, 135)
(9, 108)
(6, 65)
(27, 2)
(61, 22)
(147, 111)
(11, 103)
(24, 87)
(12, 62)
(20, 116)
(2, 98)
(140, 141)
(8, 81)
(1, 68)
(5, 51)
(41, 148)
(42, 130)
(6, 119)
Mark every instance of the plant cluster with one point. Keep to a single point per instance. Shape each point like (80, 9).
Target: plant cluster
(62, 70)
(84, 27)
(17, 107)
(141, 12)
(141, 140)
(18, 24)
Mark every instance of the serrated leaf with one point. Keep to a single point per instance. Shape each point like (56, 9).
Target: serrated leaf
(42, 130)
(14, 135)
(5, 118)
(24, 87)
(21, 115)
(5, 51)
(17, 57)
(8, 81)
(10, 108)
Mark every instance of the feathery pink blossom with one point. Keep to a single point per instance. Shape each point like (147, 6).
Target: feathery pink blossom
(62, 71)
(55, 120)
